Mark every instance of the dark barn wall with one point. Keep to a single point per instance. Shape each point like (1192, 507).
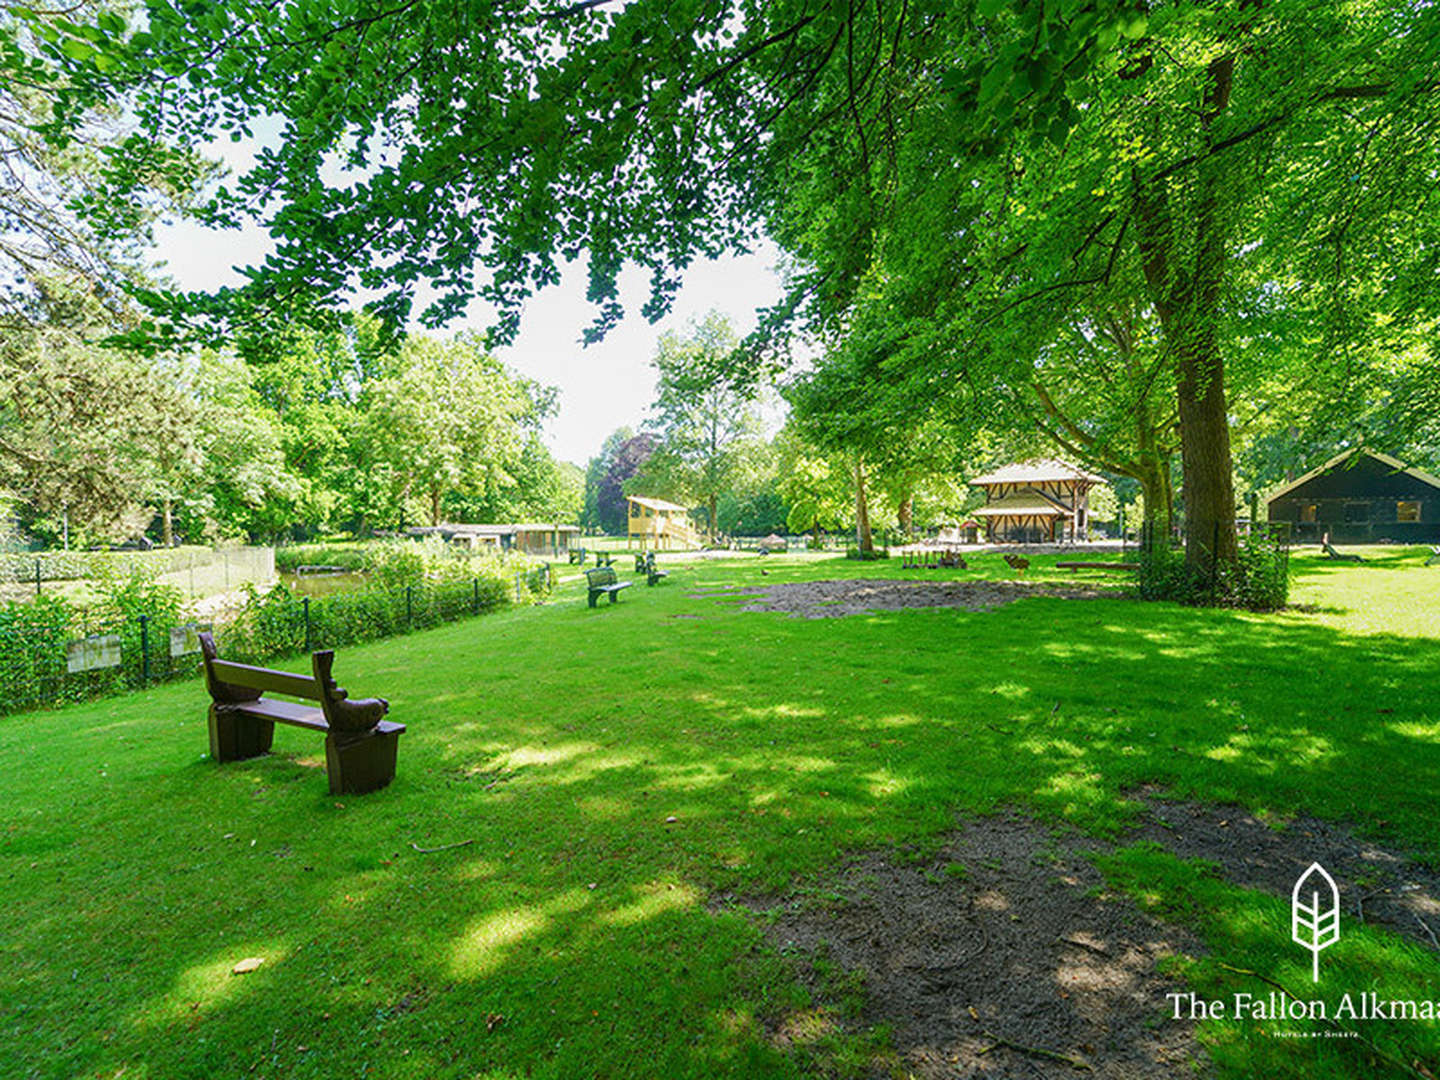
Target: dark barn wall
(1363, 488)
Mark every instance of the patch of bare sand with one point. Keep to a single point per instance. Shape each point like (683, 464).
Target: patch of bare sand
(858, 596)
(1021, 961)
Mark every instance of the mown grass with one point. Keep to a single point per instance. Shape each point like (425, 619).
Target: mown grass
(572, 936)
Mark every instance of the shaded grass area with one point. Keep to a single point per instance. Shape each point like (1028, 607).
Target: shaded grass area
(572, 937)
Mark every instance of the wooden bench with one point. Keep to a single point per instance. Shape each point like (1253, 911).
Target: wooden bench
(641, 561)
(1118, 567)
(360, 746)
(602, 580)
(601, 559)
(653, 576)
(577, 555)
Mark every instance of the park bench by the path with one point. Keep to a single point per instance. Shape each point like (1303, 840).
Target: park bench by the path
(360, 745)
(601, 559)
(577, 555)
(601, 582)
(653, 576)
(641, 561)
(1114, 567)
(1434, 556)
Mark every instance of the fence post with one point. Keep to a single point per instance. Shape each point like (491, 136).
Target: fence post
(144, 649)
(37, 577)
(305, 603)
(409, 605)
(475, 603)
(517, 585)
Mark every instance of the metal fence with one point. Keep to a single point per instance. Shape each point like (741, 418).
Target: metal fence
(82, 657)
(196, 572)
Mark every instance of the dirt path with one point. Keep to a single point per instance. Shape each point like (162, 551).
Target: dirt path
(1006, 957)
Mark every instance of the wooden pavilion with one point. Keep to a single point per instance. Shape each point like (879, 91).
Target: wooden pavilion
(1036, 502)
(657, 524)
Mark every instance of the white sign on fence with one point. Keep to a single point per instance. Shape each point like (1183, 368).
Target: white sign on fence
(186, 639)
(93, 652)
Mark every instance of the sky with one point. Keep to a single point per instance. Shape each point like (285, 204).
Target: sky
(602, 386)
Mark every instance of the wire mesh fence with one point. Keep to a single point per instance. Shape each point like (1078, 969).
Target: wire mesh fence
(52, 654)
(196, 571)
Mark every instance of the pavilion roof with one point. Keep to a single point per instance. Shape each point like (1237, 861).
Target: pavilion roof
(1039, 471)
(657, 504)
(1023, 504)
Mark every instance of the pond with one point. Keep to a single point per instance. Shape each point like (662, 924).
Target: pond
(323, 584)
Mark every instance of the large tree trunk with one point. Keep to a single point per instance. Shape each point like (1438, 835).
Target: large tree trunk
(714, 516)
(1205, 458)
(862, 511)
(1186, 291)
(906, 514)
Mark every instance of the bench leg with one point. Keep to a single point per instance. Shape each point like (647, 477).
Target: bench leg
(235, 736)
(615, 595)
(593, 597)
(360, 765)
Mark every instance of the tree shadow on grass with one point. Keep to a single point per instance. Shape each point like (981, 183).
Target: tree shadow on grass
(571, 936)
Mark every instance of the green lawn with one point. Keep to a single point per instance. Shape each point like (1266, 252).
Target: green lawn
(572, 937)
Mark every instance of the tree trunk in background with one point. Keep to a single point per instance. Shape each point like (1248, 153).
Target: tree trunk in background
(434, 506)
(167, 523)
(714, 516)
(862, 511)
(906, 514)
(1155, 486)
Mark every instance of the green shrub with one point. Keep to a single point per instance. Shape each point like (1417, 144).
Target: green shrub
(1258, 580)
(348, 556)
(410, 586)
(877, 553)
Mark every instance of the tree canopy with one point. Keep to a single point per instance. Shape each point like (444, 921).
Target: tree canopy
(962, 187)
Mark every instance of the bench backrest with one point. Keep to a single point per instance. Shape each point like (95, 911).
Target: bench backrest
(600, 576)
(232, 683)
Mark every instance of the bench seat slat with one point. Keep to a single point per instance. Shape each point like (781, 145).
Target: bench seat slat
(285, 712)
(278, 682)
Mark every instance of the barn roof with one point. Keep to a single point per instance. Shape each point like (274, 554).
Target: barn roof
(657, 504)
(1393, 463)
(1023, 504)
(1040, 471)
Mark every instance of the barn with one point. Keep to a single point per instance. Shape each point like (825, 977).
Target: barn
(1361, 497)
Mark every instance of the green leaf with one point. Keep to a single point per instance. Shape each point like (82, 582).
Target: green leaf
(77, 49)
(1136, 27)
